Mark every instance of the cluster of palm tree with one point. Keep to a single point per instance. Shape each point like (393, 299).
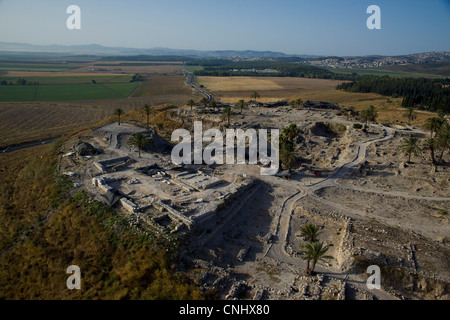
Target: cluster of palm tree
(437, 144)
(287, 146)
(314, 250)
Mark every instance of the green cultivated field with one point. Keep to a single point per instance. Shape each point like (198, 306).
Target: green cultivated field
(36, 68)
(71, 79)
(54, 92)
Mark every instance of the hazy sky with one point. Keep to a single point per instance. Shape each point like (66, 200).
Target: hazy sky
(322, 27)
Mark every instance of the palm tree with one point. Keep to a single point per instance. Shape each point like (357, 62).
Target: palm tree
(287, 155)
(139, 140)
(310, 231)
(411, 114)
(314, 252)
(227, 112)
(213, 105)
(118, 112)
(241, 105)
(204, 101)
(146, 108)
(369, 114)
(297, 102)
(191, 103)
(410, 146)
(433, 124)
(255, 95)
(443, 140)
(431, 145)
(290, 132)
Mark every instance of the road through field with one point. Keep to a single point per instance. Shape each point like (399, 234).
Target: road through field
(190, 79)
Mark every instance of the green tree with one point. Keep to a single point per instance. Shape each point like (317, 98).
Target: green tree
(287, 155)
(139, 140)
(191, 103)
(410, 114)
(314, 252)
(204, 101)
(410, 146)
(227, 112)
(433, 125)
(443, 140)
(287, 146)
(297, 102)
(310, 231)
(290, 133)
(431, 145)
(255, 95)
(118, 112)
(147, 109)
(241, 105)
(369, 114)
(213, 105)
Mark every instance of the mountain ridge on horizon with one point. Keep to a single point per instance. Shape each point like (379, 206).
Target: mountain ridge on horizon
(97, 49)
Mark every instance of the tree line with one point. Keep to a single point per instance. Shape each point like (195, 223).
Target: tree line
(284, 68)
(428, 94)
(20, 81)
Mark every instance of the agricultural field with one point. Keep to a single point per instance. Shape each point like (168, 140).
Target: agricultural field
(57, 92)
(228, 89)
(232, 89)
(25, 122)
(162, 85)
(36, 68)
(66, 102)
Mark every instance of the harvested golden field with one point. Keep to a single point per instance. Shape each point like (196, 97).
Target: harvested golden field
(24, 122)
(228, 89)
(232, 89)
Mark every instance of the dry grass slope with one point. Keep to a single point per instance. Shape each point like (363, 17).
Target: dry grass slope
(43, 232)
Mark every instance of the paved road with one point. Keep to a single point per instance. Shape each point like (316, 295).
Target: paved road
(190, 78)
(27, 145)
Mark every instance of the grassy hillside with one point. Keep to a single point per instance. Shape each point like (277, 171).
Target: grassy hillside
(43, 230)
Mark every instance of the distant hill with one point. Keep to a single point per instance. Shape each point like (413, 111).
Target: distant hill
(372, 61)
(95, 49)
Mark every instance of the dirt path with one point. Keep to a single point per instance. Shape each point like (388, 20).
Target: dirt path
(277, 250)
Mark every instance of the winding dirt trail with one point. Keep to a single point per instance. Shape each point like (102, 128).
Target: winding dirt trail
(277, 249)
